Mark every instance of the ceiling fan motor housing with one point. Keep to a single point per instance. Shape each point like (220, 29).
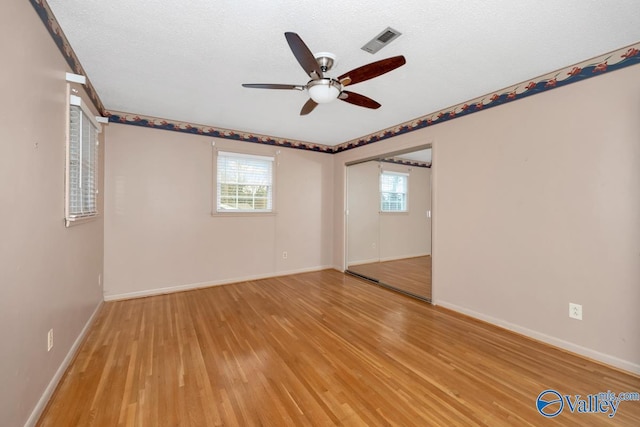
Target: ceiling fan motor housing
(326, 60)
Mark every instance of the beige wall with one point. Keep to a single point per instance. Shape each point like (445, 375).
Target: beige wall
(159, 231)
(374, 236)
(537, 204)
(48, 273)
(363, 219)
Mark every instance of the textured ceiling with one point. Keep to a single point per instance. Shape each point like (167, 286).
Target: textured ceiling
(186, 61)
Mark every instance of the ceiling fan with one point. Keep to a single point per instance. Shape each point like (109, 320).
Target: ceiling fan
(325, 89)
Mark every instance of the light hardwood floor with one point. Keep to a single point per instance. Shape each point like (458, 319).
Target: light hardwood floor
(411, 275)
(319, 349)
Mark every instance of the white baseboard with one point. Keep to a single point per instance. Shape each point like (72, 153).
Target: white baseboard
(557, 342)
(44, 399)
(364, 261)
(397, 257)
(390, 258)
(192, 286)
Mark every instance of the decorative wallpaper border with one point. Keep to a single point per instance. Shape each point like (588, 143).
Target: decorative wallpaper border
(403, 162)
(185, 127)
(49, 21)
(597, 66)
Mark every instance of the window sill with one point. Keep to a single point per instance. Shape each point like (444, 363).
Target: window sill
(393, 213)
(241, 214)
(71, 222)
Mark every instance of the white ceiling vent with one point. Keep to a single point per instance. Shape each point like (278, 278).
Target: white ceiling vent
(381, 40)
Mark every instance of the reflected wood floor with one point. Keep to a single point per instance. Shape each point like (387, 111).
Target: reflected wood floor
(412, 275)
(315, 349)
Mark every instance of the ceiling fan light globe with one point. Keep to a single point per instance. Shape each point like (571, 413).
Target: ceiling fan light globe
(323, 94)
(324, 90)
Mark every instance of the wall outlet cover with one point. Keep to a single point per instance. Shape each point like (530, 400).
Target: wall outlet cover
(575, 311)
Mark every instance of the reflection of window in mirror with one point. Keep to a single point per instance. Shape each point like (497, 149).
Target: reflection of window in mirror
(393, 191)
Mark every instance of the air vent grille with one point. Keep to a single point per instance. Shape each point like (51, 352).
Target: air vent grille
(381, 40)
(386, 36)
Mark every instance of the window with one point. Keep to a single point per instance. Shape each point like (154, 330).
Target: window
(393, 191)
(244, 183)
(82, 163)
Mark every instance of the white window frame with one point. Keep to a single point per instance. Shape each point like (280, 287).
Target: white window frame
(267, 160)
(405, 207)
(75, 214)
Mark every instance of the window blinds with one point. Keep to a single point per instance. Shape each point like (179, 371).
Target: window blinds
(393, 191)
(82, 167)
(244, 183)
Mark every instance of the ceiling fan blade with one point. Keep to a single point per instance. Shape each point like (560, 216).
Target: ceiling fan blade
(359, 100)
(304, 56)
(371, 70)
(308, 107)
(272, 86)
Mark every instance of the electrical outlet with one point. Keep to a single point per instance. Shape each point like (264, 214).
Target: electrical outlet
(50, 340)
(99, 279)
(575, 311)
(284, 255)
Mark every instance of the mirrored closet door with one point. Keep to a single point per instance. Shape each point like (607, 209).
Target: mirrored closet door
(389, 221)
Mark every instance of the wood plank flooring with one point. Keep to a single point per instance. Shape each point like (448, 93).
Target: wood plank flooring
(315, 349)
(411, 275)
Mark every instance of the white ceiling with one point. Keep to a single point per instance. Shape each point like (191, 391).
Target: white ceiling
(420, 155)
(187, 60)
